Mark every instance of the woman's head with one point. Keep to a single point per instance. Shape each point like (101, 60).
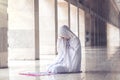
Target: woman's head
(66, 32)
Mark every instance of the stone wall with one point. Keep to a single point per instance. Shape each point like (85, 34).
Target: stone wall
(21, 31)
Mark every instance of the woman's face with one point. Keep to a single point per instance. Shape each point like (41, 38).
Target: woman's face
(64, 32)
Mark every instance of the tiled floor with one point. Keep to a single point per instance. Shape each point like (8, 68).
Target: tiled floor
(100, 64)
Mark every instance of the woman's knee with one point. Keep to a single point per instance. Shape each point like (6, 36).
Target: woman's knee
(60, 69)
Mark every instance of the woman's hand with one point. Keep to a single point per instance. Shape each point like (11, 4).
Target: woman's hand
(64, 38)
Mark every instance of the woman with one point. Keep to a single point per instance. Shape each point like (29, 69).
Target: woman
(69, 52)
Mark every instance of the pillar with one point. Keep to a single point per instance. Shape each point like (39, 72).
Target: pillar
(3, 34)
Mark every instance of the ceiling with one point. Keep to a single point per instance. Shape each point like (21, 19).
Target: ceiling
(118, 4)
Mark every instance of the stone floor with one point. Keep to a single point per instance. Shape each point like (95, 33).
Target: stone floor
(97, 64)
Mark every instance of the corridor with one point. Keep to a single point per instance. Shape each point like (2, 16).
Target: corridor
(29, 30)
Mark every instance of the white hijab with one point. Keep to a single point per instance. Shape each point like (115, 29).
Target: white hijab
(66, 32)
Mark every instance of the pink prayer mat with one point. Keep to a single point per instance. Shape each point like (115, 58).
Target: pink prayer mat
(36, 73)
(44, 73)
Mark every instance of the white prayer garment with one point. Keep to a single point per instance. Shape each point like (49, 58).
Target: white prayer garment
(69, 53)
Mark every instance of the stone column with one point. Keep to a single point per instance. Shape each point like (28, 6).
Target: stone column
(3, 34)
(36, 30)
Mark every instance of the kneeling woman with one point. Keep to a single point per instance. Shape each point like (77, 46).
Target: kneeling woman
(69, 53)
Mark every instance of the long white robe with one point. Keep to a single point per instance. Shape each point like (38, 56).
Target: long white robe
(68, 58)
(69, 53)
